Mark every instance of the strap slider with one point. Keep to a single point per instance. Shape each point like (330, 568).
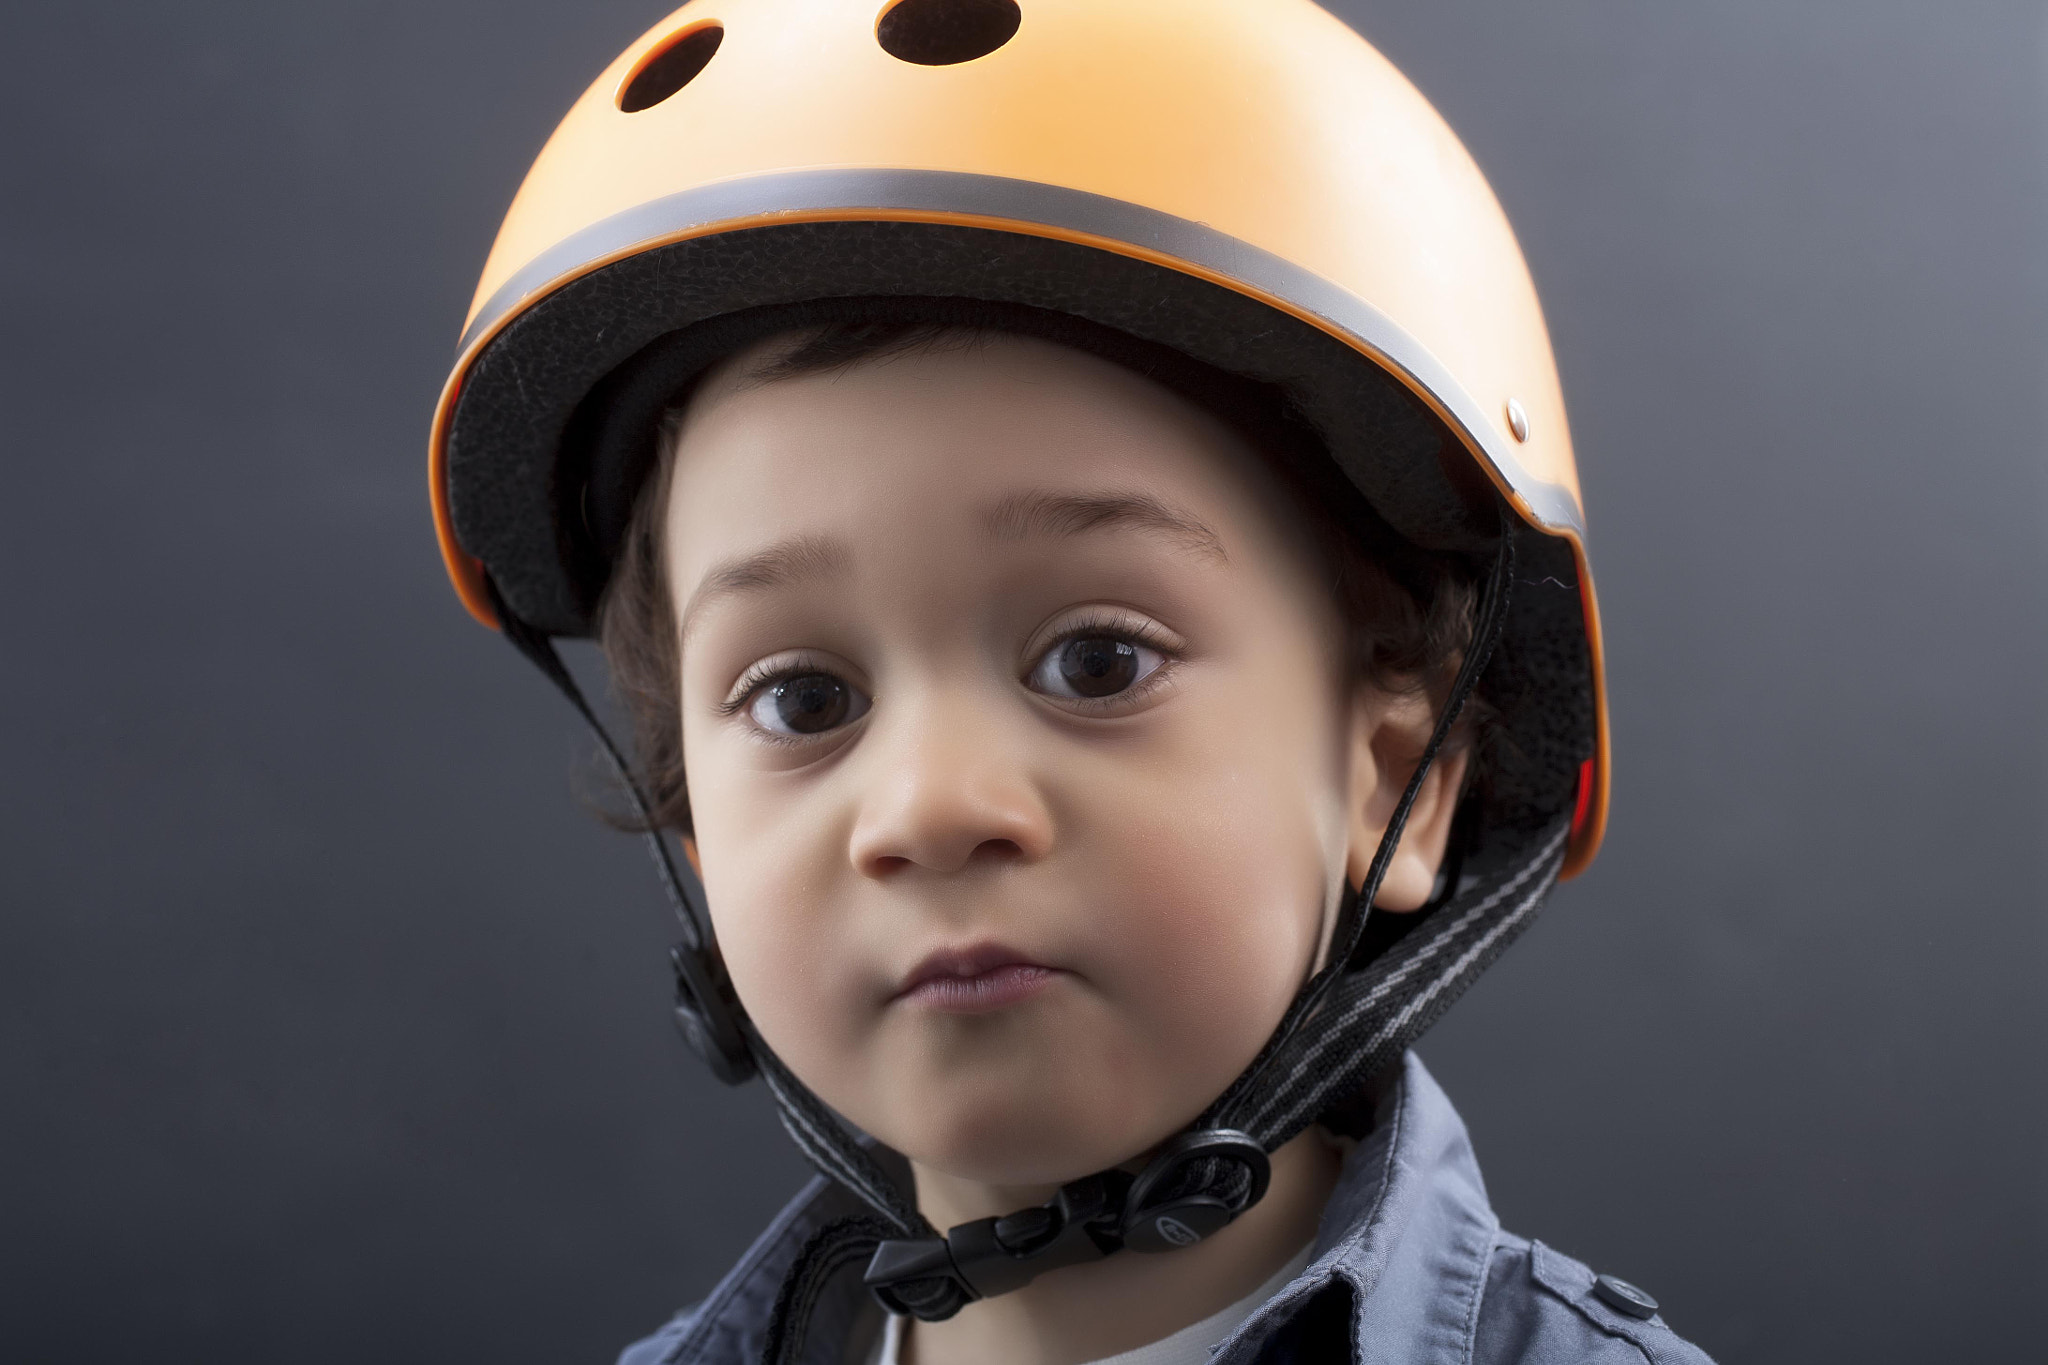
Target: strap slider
(706, 1017)
(1171, 1204)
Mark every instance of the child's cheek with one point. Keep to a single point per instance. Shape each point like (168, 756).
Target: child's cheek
(797, 960)
(1221, 926)
(1230, 832)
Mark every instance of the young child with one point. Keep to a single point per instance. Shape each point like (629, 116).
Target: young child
(1077, 504)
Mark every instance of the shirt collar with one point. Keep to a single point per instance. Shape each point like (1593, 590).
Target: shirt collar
(1405, 1240)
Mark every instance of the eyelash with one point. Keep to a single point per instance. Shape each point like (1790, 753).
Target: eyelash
(766, 675)
(1112, 625)
(1116, 626)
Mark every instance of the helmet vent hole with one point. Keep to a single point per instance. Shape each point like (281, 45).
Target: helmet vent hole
(946, 32)
(671, 66)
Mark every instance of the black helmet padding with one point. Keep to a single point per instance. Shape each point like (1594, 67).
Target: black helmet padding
(507, 497)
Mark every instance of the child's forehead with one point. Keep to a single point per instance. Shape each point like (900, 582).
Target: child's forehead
(945, 356)
(995, 407)
(974, 427)
(979, 441)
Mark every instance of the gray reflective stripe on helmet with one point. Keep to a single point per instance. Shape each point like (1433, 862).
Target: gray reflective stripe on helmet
(862, 194)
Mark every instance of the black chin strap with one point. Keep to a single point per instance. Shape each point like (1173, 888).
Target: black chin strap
(706, 1010)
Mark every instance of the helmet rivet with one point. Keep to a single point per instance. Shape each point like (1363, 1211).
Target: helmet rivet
(1518, 419)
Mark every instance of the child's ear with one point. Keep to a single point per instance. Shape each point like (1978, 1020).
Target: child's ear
(1388, 735)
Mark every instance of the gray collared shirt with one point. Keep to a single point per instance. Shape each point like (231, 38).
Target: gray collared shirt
(1410, 1267)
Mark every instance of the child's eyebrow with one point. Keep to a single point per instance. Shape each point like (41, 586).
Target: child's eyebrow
(785, 562)
(1019, 516)
(1022, 515)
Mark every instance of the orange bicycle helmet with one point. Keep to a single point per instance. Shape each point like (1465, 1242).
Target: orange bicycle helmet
(1248, 184)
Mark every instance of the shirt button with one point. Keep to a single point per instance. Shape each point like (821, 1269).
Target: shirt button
(1624, 1297)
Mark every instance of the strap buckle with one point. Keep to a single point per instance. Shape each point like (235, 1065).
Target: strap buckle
(933, 1277)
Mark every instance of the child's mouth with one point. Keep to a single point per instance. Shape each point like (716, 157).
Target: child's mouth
(974, 980)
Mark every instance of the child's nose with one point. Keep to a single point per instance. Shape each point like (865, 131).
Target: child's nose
(948, 795)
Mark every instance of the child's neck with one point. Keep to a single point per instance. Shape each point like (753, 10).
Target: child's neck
(1090, 1311)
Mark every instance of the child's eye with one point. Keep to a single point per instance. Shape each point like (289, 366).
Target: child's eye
(1090, 666)
(805, 704)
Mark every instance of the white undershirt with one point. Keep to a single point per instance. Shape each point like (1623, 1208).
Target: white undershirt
(1189, 1346)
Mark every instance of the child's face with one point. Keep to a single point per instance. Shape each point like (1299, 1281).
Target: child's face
(1024, 776)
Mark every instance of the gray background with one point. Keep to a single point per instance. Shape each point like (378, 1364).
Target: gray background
(335, 1029)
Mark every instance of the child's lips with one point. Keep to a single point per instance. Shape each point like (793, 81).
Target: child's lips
(974, 980)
